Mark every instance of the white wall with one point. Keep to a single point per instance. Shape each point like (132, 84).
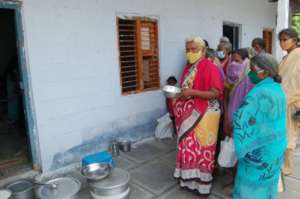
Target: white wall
(73, 59)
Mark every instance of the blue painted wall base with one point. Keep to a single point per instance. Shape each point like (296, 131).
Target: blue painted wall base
(102, 142)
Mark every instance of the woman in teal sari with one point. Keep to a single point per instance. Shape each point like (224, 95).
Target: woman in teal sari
(260, 132)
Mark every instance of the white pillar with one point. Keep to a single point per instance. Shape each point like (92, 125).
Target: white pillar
(283, 8)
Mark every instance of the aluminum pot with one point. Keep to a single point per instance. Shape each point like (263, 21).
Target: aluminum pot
(115, 150)
(21, 189)
(5, 194)
(66, 188)
(116, 183)
(125, 145)
(124, 195)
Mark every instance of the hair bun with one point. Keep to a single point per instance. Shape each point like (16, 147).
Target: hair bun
(277, 78)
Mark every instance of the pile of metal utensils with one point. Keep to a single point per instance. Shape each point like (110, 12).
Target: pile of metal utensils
(106, 182)
(57, 188)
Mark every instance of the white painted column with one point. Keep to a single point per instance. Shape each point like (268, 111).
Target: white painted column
(283, 8)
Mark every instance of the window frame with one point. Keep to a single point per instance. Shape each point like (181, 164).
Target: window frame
(141, 55)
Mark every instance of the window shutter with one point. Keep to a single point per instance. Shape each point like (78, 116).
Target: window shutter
(267, 37)
(149, 48)
(127, 50)
(138, 48)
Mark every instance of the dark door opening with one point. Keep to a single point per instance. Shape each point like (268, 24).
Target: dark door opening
(233, 33)
(14, 142)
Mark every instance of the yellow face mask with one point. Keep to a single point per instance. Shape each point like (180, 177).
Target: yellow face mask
(193, 57)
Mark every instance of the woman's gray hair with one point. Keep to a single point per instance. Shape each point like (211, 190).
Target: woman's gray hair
(224, 40)
(267, 63)
(197, 40)
(260, 42)
(225, 45)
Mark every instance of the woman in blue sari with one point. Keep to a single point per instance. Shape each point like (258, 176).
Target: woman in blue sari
(260, 132)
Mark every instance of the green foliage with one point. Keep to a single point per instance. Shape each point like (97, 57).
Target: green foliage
(296, 23)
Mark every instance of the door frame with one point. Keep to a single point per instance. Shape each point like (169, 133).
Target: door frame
(239, 33)
(269, 49)
(30, 116)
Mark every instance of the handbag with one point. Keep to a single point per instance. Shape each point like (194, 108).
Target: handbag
(227, 157)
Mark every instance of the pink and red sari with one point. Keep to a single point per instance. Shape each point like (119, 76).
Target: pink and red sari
(197, 123)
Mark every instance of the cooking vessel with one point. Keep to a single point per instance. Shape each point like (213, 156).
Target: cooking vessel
(171, 91)
(125, 145)
(115, 149)
(124, 195)
(21, 189)
(116, 183)
(66, 188)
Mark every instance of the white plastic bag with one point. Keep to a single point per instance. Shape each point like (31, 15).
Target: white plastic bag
(165, 128)
(281, 184)
(227, 157)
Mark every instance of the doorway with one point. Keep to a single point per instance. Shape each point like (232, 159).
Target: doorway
(14, 141)
(232, 31)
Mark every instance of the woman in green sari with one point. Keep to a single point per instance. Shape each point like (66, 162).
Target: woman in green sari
(260, 132)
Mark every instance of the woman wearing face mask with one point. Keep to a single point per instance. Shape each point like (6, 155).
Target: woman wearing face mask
(260, 132)
(241, 89)
(224, 50)
(197, 114)
(211, 55)
(239, 62)
(289, 69)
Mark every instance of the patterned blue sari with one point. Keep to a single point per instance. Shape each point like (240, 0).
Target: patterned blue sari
(260, 141)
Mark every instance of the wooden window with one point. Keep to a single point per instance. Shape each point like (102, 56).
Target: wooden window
(138, 51)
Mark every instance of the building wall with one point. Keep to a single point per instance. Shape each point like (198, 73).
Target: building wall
(73, 60)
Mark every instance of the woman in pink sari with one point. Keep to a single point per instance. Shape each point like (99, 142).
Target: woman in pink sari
(197, 115)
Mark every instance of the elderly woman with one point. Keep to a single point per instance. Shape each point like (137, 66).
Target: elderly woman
(235, 73)
(242, 88)
(197, 115)
(211, 55)
(259, 45)
(260, 132)
(289, 69)
(224, 51)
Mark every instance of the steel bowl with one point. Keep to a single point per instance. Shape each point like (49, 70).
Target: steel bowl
(171, 91)
(96, 171)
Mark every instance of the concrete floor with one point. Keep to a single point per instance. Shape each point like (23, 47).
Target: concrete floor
(151, 166)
